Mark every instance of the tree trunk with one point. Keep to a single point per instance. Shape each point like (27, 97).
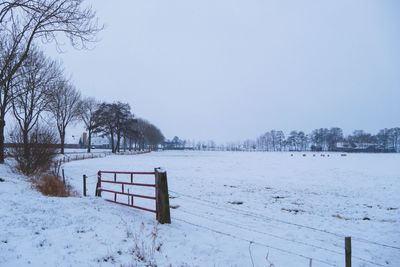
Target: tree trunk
(62, 139)
(26, 145)
(89, 141)
(118, 141)
(112, 142)
(2, 126)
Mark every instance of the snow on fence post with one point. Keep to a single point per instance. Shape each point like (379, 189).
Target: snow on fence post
(98, 186)
(347, 241)
(84, 185)
(162, 197)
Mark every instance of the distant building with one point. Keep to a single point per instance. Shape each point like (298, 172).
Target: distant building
(101, 142)
(362, 147)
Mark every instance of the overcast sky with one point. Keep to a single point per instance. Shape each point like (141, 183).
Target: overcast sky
(229, 70)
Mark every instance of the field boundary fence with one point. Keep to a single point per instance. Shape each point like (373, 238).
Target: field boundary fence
(345, 250)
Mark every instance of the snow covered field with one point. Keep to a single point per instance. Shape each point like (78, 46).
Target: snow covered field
(230, 209)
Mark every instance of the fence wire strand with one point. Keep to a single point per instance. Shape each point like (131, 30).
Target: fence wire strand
(283, 238)
(264, 233)
(255, 215)
(255, 242)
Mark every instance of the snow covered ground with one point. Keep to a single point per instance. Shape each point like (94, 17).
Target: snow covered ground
(230, 209)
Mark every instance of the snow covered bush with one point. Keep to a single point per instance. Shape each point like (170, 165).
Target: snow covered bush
(34, 152)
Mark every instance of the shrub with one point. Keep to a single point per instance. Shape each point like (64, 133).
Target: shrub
(51, 185)
(34, 152)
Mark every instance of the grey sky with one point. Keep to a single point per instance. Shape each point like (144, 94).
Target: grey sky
(229, 70)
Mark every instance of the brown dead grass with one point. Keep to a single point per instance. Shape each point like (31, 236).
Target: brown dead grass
(50, 185)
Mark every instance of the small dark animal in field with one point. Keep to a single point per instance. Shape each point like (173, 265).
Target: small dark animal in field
(295, 211)
(236, 202)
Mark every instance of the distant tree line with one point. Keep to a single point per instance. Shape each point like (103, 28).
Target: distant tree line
(36, 92)
(116, 121)
(322, 139)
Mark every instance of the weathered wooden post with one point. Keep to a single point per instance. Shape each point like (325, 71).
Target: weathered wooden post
(98, 186)
(162, 196)
(84, 185)
(63, 175)
(347, 242)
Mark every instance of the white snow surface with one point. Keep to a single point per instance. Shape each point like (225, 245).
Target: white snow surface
(229, 209)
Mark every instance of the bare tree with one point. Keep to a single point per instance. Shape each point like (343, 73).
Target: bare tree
(31, 92)
(87, 109)
(111, 119)
(22, 22)
(64, 106)
(144, 134)
(104, 122)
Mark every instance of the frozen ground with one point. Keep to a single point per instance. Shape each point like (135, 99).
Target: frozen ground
(231, 209)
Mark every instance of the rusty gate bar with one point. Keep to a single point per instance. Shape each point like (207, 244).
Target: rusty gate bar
(133, 206)
(143, 173)
(126, 183)
(128, 194)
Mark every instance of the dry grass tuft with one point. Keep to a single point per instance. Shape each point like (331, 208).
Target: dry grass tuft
(50, 185)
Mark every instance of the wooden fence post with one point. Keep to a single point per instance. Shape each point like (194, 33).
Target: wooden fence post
(84, 185)
(348, 250)
(63, 175)
(162, 197)
(98, 186)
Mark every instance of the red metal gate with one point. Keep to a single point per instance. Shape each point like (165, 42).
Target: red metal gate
(128, 181)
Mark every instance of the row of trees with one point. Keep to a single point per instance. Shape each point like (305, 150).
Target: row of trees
(324, 139)
(116, 121)
(24, 78)
(43, 93)
(38, 93)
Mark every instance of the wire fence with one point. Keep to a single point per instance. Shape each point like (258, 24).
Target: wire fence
(256, 215)
(231, 210)
(256, 242)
